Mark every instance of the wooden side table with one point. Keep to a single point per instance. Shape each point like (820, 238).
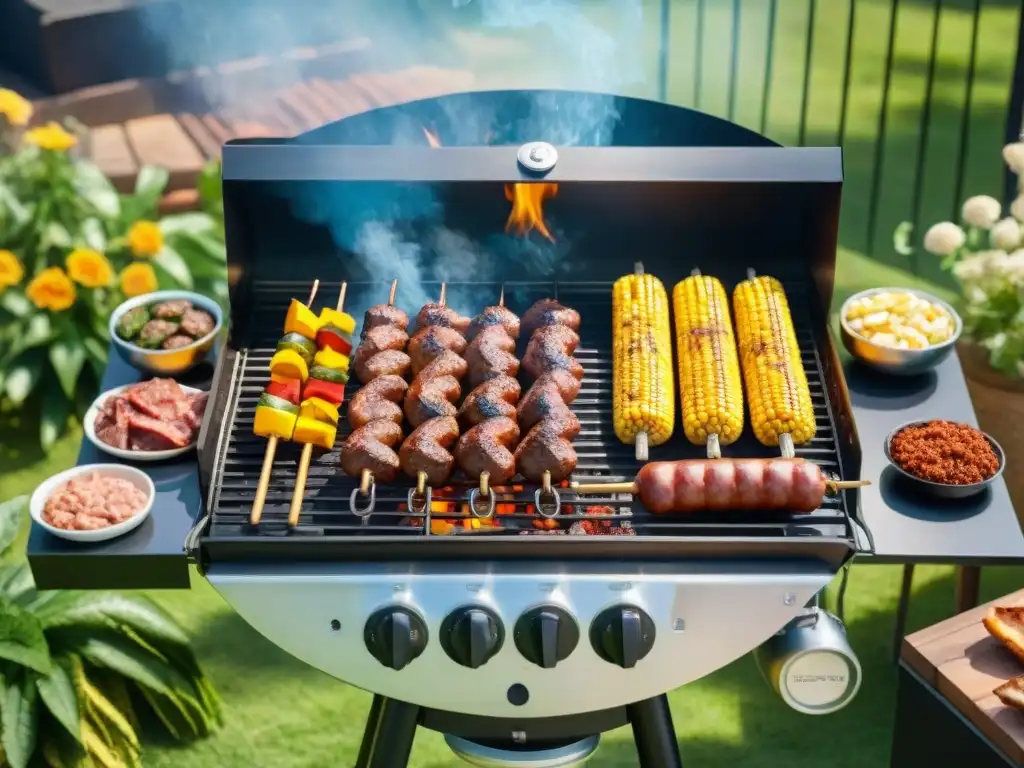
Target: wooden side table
(946, 713)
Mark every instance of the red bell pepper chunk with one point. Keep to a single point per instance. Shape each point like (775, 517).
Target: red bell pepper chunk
(289, 390)
(326, 390)
(335, 339)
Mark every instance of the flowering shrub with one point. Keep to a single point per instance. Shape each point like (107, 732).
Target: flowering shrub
(71, 250)
(985, 253)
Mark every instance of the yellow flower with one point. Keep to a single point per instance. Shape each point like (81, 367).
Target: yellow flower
(51, 136)
(11, 270)
(145, 238)
(15, 107)
(89, 268)
(51, 289)
(137, 279)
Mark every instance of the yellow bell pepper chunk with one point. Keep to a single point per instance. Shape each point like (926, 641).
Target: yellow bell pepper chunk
(329, 358)
(301, 319)
(343, 321)
(289, 363)
(319, 409)
(270, 422)
(319, 433)
(280, 378)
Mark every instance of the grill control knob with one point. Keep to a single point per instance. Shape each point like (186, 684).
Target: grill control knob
(471, 636)
(395, 636)
(622, 634)
(546, 635)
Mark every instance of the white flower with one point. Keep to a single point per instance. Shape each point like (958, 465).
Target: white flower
(1014, 267)
(981, 211)
(976, 294)
(1017, 208)
(944, 238)
(970, 269)
(1006, 234)
(997, 263)
(1013, 154)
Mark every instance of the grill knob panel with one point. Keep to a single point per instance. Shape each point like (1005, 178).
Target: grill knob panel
(471, 636)
(395, 636)
(546, 635)
(622, 635)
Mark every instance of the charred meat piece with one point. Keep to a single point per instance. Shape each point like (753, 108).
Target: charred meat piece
(372, 447)
(177, 341)
(111, 423)
(545, 396)
(446, 364)
(376, 341)
(427, 450)
(432, 341)
(491, 317)
(171, 310)
(495, 398)
(378, 400)
(393, 362)
(429, 398)
(491, 353)
(149, 434)
(439, 314)
(384, 314)
(197, 323)
(548, 448)
(155, 332)
(550, 349)
(549, 312)
(486, 448)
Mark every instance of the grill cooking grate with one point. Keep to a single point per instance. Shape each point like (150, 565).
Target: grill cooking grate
(326, 516)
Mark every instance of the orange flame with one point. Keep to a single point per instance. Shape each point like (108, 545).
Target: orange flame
(432, 139)
(528, 208)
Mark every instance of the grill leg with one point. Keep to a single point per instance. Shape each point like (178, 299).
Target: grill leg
(369, 732)
(654, 734)
(393, 736)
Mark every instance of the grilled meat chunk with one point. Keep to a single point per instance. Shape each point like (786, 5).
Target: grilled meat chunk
(378, 400)
(372, 447)
(491, 317)
(384, 314)
(446, 364)
(383, 338)
(427, 450)
(549, 312)
(431, 398)
(440, 314)
(491, 353)
(547, 447)
(155, 332)
(430, 342)
(548, 395)
(486, 448)
(171, 310)
(550, 349)
(177, 341)
(197, 323)
(393, 362)
(495, 398)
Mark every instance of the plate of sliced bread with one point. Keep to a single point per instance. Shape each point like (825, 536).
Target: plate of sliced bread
(1006, 624)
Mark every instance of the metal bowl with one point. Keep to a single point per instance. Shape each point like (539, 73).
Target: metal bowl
(166, 362)
(901, 362)
(943, 490)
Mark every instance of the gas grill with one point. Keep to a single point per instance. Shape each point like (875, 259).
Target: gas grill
(524, 638)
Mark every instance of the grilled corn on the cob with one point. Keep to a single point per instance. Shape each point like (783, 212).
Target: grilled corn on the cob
(644, 395)
(710, 387)
(776, 383)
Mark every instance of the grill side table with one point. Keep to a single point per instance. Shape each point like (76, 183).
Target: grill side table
(946, 713)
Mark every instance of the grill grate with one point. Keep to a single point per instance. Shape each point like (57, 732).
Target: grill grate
(326, 516)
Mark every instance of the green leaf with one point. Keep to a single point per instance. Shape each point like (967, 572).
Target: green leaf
(39, 332)
(15, 303)
(56, 407)
(204, 256)
(106, 710)
(193, 223)
(55, 235)
(12, 517)
(91, 183)
(179, 719)
(111, 610)
(21, 638)
(10, 203)
(94, 235)
(67, 355)
(16, 582)
(57, 690)
(18, 718)
(131, 659)
(151, 182)
(22, 377)
(170, 261)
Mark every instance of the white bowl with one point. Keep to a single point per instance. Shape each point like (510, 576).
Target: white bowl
(89, 424)
(47, 488)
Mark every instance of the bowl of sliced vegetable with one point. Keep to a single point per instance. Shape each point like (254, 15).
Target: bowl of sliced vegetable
(166, 332)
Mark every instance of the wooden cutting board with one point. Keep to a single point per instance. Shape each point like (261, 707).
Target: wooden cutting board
(964, 663)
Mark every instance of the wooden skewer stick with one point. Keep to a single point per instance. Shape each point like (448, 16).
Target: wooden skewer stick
(501, 296)
(444, 290)
(391, 296)
(365, 481)
(307, 451)
(268, 457)
(831, 486)
(485, 483)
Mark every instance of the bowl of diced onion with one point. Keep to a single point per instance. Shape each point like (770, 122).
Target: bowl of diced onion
(900, 331)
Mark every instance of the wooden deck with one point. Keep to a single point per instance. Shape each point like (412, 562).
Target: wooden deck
(170, 122)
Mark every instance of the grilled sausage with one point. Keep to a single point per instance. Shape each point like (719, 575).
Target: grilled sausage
(440, 314)
(430, 342)
(372, 447)
(496, 316)
(495, 398)
(549, 312)
(543, 398)
(378, 400)
(426, 450)
(485, 448)
(435, 390)
(378, 342)
(384, 314)
(550, 349)
(548, 447)
(784, 485)
(490, 354)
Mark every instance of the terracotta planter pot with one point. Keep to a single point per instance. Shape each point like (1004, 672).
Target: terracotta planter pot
(999, 403)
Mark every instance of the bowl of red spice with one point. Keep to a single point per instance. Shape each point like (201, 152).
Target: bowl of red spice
(945, 459)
